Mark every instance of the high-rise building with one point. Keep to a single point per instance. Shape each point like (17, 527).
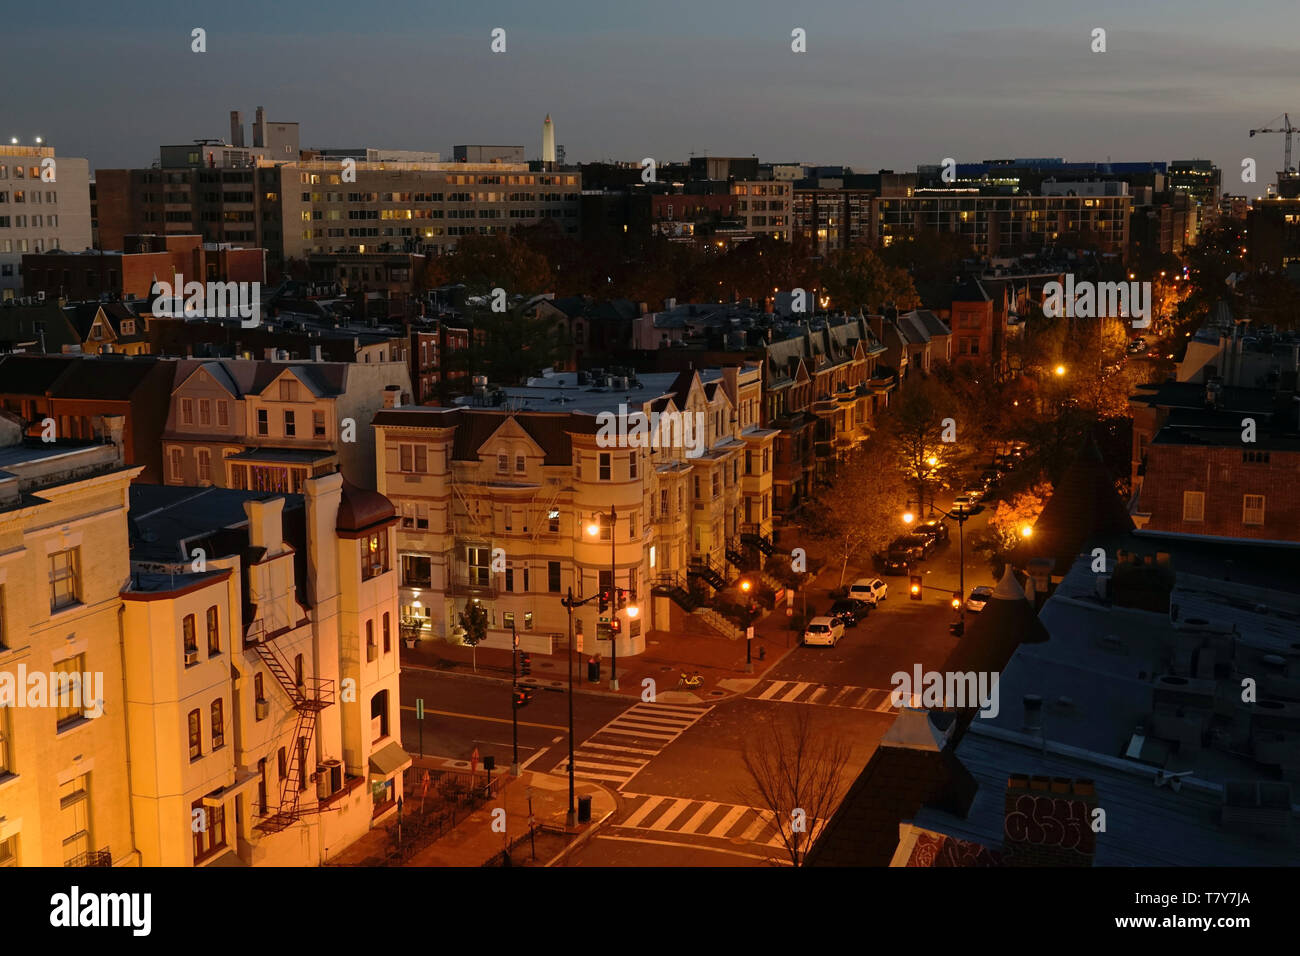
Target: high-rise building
(44, 206)
(548, 140)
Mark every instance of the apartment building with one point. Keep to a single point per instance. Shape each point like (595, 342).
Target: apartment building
(269, 426)
(295, 209)
(64, 785)
(497, 505)
(1000, 226)
(262, 686)
(766, 207)
(44, 206)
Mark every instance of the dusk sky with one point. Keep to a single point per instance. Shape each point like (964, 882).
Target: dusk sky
(883, 85)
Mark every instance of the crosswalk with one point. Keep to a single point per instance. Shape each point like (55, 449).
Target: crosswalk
(617, 752)
(828, 695)
(705, 818)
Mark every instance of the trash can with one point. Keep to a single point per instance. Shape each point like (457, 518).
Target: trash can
(584, 809)
(593, 670)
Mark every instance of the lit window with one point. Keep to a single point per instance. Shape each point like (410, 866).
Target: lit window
(1252, 509)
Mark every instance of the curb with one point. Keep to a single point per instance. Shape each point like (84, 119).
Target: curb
(577, 689)
(582, 839)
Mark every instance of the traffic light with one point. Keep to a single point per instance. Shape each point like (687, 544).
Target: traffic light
(916, 587)
(615, 625)
(528, 694)
(525, 664)
(956, 600)
(622, 599)
(520, 699)
(604, 601)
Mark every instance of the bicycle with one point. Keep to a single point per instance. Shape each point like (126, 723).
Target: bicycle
(687, 681)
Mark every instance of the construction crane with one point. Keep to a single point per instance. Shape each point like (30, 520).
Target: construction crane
(1286, 128)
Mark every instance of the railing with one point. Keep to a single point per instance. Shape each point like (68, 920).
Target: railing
(463, 587)
(92, 858)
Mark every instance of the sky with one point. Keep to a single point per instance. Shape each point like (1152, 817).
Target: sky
(883, 84)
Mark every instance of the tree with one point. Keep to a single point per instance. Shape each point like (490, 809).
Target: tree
(796, 772)
(484, 263)
(1009, 520)
(859, 511)
(856, 278)
(915, 427)
(932, 259)
(473, 623)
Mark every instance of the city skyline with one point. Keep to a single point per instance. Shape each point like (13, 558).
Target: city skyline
(872, 91)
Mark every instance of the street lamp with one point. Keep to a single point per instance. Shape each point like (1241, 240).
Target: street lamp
(960, 605)
(593, 529)
(745, 587)
(1060, 370)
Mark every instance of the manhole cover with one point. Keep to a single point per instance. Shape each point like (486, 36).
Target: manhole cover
(665, 669)
(716, 693)
(546, 665)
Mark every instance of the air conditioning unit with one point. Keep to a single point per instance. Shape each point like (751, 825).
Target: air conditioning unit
(40, 296)
(263, 708)
(191, 657)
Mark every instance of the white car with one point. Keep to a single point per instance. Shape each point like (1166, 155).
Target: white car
(974, 494)
(871, 590)
(823, 630)
(963, 504)
(978, 598)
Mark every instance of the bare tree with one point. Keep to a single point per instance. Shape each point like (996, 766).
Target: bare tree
(860, 512)
(796, 772)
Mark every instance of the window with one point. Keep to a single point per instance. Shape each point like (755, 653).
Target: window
(289, 428)
(205, 408)
(263, 422)
(5, 769)
(318, 424)
(414, 458)
(631, 525)
(187, 630)
(214, 632)
(663, 502)
(1252, 509)
(379, 716)
(176, 464)
(63, 578)
(74, 816)
(631, 465)
(1254, 457)
(604, 466)
(503, 464)
(187, 407)
(417, 571)
(520, 463)
(299, 677)
(211, 836)
(223, 413)
(287, 390)
(553, 577)
(261, 786)
(749, 462)
(218, 724)
(767, 456)
(374, 555)
(204, 464)
(69, 690)
(478, 561)
(196, 735)
(259, 688)
(371, 650)
(9, 852)
(388, 633)
(1193, 506)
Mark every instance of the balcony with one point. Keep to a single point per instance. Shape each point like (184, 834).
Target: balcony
(100, 857)
(461, 585)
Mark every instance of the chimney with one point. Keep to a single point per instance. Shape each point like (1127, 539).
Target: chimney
(236, 128)
(266, 524)
(323, 496)
(317, 353)
(1047, 821)
(391, 395)
(259, 128)
(269, 353)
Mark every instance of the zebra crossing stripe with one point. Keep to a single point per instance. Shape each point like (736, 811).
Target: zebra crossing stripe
(727, 822)
(798, 689)
(758, 826)
(671, 814)
(591, 744)
(844, 692)
(862, 698)
(768, 694)
(666, 738)
(817, 695)
(682, 709)
(705, 811)
(643, 811)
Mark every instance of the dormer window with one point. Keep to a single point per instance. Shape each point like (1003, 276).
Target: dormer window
(288, 391)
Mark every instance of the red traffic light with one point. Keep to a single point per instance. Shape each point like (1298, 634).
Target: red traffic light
(916, 581)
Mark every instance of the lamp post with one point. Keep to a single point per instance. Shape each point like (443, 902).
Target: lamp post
(960, 517)
(594, 529)
(745, 587)
(514, 689)
(570, 603)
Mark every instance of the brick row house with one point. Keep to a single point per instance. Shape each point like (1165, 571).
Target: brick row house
(497, 507)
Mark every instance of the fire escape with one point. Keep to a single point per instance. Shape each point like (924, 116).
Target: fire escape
(309, 699)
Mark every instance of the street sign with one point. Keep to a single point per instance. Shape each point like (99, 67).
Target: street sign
(749, 633)
(419, 708)
(577, 639)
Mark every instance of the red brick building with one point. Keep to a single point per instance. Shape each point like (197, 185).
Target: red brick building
(1207, 482)
(132, 272)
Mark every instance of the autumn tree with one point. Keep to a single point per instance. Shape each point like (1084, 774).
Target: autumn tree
(484, 263)
(916, 428)
(796, 774)
(473, 626)
(856, 278)
(1009, 520)
(859, 512)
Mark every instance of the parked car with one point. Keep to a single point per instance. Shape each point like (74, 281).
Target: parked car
(963, 504)
(989, 478)
(917, 547)
(975, 494)
(823, 630)
(893, 562)
(978, 598)
(936, 529)
(871, 590)
(849, 611)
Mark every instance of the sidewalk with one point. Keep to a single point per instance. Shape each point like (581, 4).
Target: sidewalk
(472, 842)
(691, 648)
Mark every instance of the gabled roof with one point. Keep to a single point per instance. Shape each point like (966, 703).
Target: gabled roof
(32, 374)
(20, 324)
(105, 379)
(969, 289)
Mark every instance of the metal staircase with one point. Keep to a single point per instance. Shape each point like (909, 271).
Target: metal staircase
(308, 700)
(703, 569)
(737, 556)
(670, 585)
(751, 536)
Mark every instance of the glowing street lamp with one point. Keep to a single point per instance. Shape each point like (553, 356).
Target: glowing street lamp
(1027, 531)
(1060, 370)
(908, 517)
(593, 529)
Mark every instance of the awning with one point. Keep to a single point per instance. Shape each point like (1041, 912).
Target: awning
(388, 760)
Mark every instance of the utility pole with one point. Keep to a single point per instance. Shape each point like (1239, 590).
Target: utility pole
(514, 689)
